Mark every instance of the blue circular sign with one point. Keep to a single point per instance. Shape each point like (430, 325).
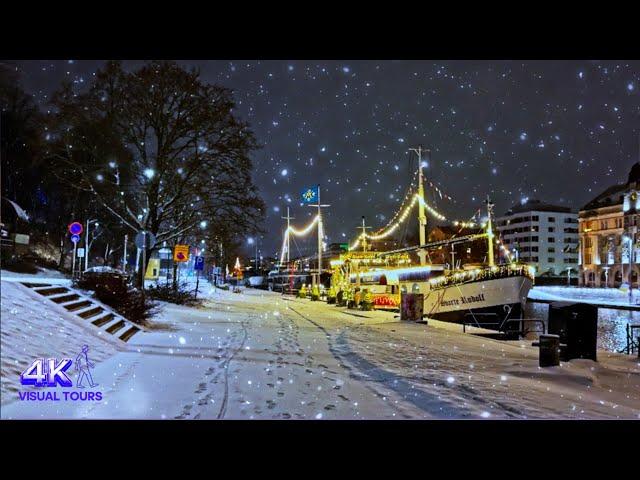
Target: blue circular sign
(75, 228)
(75, 238)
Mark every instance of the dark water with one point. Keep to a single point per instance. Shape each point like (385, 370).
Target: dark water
(612, 324)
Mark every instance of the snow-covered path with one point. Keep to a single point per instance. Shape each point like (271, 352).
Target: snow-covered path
(258, 355)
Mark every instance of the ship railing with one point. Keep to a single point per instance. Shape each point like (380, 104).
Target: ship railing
(500, 325)
(632, 345)
(487, 273)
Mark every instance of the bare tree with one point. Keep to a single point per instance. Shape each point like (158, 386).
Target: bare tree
(160, 150)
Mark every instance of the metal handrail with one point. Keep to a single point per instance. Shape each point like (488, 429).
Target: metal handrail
(631, 344)
(500, 324)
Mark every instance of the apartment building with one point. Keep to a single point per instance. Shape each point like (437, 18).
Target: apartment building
(543, 235)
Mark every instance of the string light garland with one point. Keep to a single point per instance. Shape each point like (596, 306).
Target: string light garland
(297, 233)
(401, 215)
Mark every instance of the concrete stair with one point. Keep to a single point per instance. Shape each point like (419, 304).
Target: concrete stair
(88, 309)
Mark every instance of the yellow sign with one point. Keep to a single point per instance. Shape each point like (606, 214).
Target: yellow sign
(181, 253)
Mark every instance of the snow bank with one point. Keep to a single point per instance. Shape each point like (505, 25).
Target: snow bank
(603, 296)
(33, 327)
(44, 275)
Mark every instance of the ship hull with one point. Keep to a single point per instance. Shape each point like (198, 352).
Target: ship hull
(485, 301)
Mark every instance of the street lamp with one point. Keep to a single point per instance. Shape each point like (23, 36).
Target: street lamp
(251, 241)
(86, 242)
(630, 254)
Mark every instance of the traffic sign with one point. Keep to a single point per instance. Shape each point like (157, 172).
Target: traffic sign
(198, 263)
(81, 253)
(75, 238)
(75, 228)
(181, 253)
(145, 240)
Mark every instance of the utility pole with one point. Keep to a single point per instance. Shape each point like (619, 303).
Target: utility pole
(490, 231)
(422, 217)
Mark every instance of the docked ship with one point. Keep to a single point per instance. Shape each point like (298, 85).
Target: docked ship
(479, 294)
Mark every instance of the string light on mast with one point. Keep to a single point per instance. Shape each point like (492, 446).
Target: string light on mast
(298, 233)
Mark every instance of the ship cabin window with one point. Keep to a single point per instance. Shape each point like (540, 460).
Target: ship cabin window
(403, 289)
(415, 288)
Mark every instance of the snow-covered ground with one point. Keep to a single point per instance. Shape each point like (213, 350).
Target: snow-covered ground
(44, 275)
(33, 327)
(259, 355)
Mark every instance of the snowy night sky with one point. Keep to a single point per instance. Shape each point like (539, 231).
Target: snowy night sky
(558, 131)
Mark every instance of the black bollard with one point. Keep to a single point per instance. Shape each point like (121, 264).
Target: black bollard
(577, 326)
(549, 350)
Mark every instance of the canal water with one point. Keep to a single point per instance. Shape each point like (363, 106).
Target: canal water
(612, 324)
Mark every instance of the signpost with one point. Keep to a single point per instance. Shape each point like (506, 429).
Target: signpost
(81, 253)
(198, 266)
(181, 253)
(75, 229)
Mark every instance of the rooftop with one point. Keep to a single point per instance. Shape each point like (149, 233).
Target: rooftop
(612, 195)
(537, 206)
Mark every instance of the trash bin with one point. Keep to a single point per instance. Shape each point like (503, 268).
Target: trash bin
(577, 326)
(549, 350)
(412, 307)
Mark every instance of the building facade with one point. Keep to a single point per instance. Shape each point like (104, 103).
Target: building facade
(543, 235)
(609, 248)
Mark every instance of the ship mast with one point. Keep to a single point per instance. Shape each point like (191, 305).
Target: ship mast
(288, 218)
(364, 235)
(422, 217)
(490, 232)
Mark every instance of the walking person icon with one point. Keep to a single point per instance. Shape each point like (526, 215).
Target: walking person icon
(84, 366)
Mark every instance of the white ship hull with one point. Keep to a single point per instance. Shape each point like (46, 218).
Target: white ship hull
(498, 299)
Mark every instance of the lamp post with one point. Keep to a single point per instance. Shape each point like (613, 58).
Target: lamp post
(629, 255)
(86, 242)
(251, 241)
